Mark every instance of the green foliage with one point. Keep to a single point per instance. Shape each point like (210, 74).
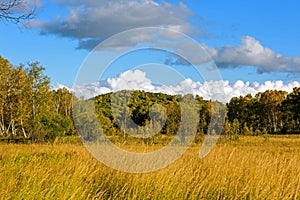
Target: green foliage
(231, 130)
(28, 108)
(271, 111)
(147, 114)
(265, 135)
(291, 112)
(246, 130)
(31, 111)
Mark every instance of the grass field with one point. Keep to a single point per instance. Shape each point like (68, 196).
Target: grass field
(252, 168)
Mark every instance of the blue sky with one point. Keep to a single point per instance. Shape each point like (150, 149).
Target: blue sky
(61, 35)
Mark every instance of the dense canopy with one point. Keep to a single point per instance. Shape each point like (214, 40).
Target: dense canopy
(31, 111)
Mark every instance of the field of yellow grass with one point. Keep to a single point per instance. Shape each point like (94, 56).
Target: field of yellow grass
(252, 168)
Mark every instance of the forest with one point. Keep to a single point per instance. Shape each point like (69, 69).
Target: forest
(32, 112)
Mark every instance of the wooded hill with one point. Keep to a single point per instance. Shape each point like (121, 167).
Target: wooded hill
(31, 111)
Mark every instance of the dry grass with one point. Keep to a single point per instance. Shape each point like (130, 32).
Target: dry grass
(249, 169)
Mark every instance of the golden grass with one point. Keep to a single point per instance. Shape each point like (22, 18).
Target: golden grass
(251, 168)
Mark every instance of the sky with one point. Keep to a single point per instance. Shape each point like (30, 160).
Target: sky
(254, 44)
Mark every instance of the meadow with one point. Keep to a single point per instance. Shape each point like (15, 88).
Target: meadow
(253, 167)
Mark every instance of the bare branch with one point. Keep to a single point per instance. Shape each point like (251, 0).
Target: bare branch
(16, 11)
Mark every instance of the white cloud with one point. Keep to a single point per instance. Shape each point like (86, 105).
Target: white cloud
(252, 53)
(131, 80)
(59, 86)
(92, 21)
(220, 90)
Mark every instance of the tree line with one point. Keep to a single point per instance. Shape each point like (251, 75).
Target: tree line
(269, 112)
(31, 111)
(136, 112)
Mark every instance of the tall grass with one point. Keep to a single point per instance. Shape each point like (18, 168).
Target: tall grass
(251, 168)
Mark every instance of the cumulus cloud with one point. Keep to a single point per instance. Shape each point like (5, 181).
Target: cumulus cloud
(220, 90)
(58, 86)
(250, 53)
(131, 80)
(91, 21)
